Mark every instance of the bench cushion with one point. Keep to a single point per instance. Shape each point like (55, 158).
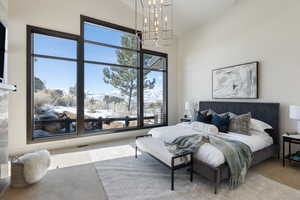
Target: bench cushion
(157, 148)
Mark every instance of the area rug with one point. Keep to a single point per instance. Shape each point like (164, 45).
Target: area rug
(145, 178)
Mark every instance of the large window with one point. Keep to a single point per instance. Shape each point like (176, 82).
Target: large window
(52, 76)
(99, 82)
(111, 68)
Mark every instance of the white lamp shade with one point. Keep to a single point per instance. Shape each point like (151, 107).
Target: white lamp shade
(295, 112)
(187, 105)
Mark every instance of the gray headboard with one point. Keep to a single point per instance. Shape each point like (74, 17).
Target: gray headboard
(266, 112)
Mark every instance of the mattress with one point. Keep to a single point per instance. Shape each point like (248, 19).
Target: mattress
(208, 153)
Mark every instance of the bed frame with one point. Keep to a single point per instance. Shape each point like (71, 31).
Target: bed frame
(266, 112)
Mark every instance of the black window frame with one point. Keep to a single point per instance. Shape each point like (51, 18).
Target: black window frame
(30, 74)
(80, 80)
(86, 19)
(165, 86)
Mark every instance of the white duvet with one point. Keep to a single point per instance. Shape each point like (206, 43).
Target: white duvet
(208, 153)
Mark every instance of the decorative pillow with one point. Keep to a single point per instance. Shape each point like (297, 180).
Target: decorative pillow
(231, 115)
(256, 124)
(206, 128)
(240, 124)
(222, 123)
(208, 112)
(203, 118)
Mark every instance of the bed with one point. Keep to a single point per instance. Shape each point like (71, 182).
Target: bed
(210, 163)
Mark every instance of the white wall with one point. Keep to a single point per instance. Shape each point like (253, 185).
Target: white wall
(267, 31)
(62, 16)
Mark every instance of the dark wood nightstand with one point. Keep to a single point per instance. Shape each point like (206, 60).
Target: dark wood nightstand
(291, 139)
(185, 120)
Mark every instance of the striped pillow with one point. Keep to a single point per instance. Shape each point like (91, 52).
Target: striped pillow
(240, 124)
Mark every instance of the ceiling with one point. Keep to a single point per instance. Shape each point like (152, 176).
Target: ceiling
(189, 14)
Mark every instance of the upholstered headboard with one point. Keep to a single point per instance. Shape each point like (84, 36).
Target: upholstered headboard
(266, 112)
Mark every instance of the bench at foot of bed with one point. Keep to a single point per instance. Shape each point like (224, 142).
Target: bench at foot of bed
(156, 148)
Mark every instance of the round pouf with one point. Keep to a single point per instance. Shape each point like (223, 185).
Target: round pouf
(29, 168)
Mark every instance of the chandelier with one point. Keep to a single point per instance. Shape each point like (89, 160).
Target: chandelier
(157, 21)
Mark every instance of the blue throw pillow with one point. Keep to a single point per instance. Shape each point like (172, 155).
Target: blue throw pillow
(203, 118)
(222, 123)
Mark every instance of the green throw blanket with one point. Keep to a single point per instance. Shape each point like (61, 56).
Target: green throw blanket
(237, 154)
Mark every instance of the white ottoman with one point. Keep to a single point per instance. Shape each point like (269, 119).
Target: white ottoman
(29, 168)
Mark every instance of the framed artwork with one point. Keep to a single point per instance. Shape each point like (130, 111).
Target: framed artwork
(236, 82)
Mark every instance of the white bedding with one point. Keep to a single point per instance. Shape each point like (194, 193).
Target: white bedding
(208, 153)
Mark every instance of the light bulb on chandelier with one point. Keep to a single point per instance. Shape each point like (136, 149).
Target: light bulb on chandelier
(157, 23)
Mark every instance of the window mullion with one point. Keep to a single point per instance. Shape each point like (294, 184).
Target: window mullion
(165, 98)
(80, 83)
(141, 91)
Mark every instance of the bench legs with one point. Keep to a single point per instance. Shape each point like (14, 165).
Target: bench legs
(172, 174)
(173, 169)
(191, 168)
(136, 149)
(217, 180)
(172, 179)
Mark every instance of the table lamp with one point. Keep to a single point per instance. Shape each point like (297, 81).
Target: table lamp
(187, 109)
(295, 114)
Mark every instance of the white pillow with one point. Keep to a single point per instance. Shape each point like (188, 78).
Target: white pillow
(258, 125)
(260, 133)
(205, 128)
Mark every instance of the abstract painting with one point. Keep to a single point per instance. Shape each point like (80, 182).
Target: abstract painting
(236, 82)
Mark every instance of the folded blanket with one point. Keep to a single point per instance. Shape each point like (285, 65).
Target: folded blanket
(184, 144)
(238, 157)
(237, 154)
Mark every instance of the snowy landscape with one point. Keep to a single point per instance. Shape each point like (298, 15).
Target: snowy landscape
(110, 96)
(59, 105)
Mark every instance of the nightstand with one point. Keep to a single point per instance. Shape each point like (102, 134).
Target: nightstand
(291, 139)
(185, 120)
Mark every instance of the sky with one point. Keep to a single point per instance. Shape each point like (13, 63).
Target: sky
(62, 74)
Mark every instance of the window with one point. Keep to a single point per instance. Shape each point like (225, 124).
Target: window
(53, 76)
(111, 71)
(155, 76)
(99, 82)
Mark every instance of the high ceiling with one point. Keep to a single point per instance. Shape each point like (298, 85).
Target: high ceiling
(189, 14)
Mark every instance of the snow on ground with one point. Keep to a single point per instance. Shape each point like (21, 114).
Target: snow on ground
(73, 110)
(97, 114)
(61, 109)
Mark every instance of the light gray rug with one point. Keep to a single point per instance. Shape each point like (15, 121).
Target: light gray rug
(145, 178)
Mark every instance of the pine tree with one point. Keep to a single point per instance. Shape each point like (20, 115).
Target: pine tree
(38, 84)
(123, 78)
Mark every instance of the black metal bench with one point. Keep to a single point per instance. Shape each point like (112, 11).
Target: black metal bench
(173, 167)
